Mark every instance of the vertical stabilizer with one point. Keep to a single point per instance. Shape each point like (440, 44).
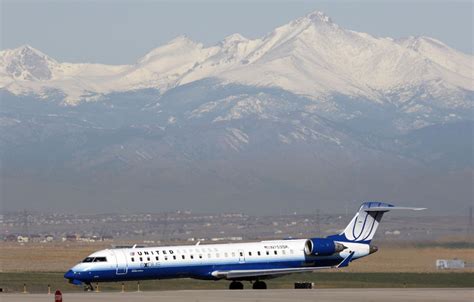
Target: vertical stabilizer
(363, 226)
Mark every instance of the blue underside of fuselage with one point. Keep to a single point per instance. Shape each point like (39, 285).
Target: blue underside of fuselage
(197, 271)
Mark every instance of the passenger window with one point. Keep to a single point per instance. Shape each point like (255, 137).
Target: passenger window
(148, 258)
(182, 256)
(226, 255)
(200, 256)
(174, 257)
(283, 252)
(141, 258)
(233, 254)
(250, 253)
(217, 255)
(241, 254)
(166, 258)
(275, 252)
(133, 259)
(157, 259)
(268, 253)
(258, 253)
(192, 256)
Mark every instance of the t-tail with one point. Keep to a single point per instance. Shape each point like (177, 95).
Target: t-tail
(363, 226)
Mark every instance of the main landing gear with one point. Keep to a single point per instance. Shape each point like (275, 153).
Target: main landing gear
(256, 285)
(236, 285)
(259, 285)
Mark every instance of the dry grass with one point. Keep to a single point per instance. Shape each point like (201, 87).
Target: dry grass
(43, 257)
(59, 257)
(410, 259)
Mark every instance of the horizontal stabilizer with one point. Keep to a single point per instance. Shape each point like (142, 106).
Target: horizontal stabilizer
(386, 209)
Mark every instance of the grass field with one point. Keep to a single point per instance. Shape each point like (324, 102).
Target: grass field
(38, 282)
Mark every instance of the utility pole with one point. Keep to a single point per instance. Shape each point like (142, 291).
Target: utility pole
(470, 224)
(318, 223)
(25, 224)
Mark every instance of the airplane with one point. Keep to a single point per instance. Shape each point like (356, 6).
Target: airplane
(236, 262)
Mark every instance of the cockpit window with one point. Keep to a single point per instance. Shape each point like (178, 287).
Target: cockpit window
(95, 259)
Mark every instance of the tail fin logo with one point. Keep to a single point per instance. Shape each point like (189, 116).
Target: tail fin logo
(364, 224)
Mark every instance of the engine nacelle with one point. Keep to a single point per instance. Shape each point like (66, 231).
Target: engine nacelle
(322, 247)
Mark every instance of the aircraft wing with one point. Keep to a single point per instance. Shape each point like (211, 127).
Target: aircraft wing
(240, 274)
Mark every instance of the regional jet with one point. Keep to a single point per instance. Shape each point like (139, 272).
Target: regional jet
(236, 262)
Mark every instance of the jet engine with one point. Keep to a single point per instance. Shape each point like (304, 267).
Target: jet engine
(322, 247)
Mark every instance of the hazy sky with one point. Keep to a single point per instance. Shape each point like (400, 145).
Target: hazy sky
(118, 32)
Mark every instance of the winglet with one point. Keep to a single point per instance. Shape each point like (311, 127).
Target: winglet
(346, 261)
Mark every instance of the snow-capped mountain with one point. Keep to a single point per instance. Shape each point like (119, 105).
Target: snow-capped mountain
(310, 56)
(309, 111)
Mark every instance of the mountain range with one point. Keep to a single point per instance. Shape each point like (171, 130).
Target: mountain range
(311, 115)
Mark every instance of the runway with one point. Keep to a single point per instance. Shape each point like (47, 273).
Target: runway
(320, 295)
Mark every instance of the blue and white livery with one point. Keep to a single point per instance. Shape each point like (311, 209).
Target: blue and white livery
(236, 262)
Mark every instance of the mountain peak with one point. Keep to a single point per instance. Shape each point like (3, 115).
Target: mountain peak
(28, 63)
(180, 44)
(182, 40)
(235, 38)
(318, 16)
(27, 50)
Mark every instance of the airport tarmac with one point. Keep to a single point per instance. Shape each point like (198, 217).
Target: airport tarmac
(303, 295)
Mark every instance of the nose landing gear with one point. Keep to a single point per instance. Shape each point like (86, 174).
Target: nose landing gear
(88, 287)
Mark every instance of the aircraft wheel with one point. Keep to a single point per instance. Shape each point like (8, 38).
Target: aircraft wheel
(236, 285)
(88, 287)
(259, 285)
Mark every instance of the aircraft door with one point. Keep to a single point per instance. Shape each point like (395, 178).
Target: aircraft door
(121, 262)
(241, 256)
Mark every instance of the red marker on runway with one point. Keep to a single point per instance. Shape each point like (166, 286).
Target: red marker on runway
(58, 296)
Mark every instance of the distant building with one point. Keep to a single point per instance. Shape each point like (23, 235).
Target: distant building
(35, 238)
(107, 238)
(70, 238)
(11, 238)
(226, 239)
(450, 264)
(22, 239)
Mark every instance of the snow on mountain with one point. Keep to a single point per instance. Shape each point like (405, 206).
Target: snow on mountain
(163, 66)
(311, 56)
(27, 63)
(441, 54)
(26, 70)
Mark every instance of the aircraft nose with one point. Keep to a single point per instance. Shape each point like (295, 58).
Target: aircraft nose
(69, 274)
